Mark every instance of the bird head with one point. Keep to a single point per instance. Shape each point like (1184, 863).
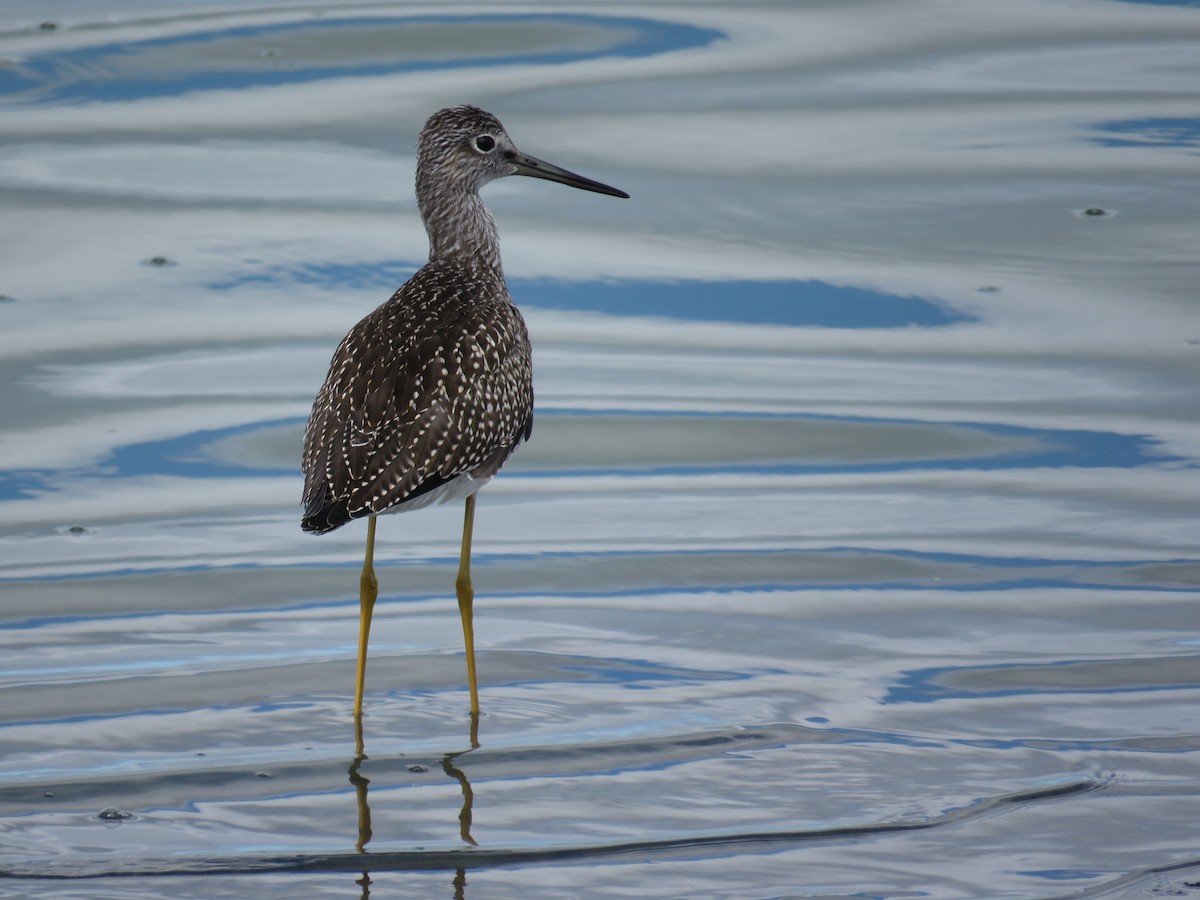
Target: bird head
(467, 147)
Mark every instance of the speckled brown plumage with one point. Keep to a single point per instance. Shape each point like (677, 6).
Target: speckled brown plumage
(436, 384)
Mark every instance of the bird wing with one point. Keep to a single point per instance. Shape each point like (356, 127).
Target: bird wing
(434, 384)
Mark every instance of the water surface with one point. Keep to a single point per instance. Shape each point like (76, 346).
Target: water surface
(855, 552)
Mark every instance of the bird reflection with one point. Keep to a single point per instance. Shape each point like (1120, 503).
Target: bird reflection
(361, 785)
(464, 816)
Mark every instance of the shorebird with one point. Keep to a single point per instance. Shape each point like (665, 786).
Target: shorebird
(429, 394)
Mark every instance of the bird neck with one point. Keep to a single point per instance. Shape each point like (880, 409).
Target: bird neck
(461, 229)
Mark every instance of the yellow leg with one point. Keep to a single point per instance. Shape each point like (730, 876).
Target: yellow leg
(368, 590)
(466, 600)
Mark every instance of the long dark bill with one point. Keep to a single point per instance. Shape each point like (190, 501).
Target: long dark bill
(539, 168)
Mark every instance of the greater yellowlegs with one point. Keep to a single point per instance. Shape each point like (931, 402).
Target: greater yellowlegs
(428, 395)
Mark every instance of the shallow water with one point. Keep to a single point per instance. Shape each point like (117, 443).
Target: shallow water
(855, 552)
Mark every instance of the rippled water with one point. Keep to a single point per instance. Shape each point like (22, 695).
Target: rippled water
(855, 553)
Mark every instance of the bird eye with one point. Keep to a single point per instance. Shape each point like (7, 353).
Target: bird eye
(486, 143)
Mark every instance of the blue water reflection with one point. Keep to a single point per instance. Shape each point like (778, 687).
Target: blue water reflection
(798, 303)
(185, 455)
(1072, 676)
(1183, 133)
(247, 56)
